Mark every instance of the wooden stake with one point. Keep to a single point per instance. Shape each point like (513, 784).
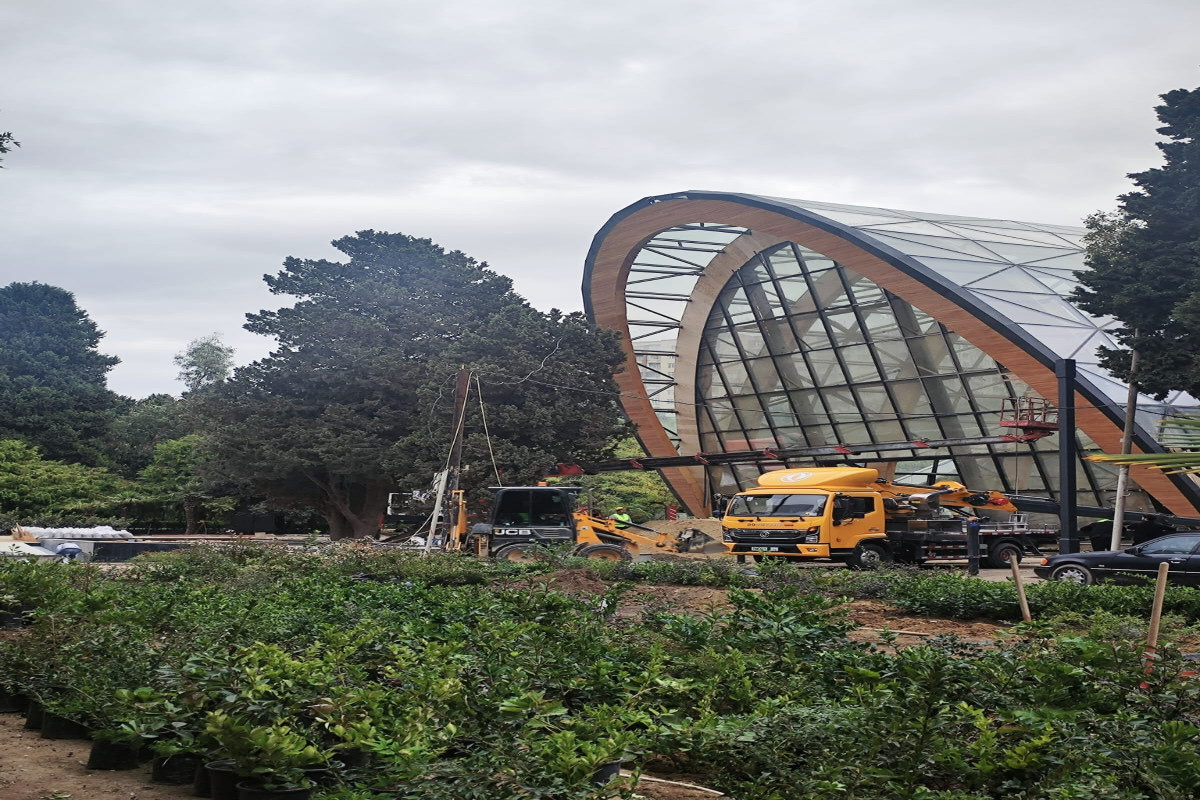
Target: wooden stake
(1020, 583)
(1160, 590)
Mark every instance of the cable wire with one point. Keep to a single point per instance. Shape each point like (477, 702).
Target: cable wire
(487, 437)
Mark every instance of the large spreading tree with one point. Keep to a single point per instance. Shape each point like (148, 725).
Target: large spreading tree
(53, 391)
(356, 400)
(1144, 261)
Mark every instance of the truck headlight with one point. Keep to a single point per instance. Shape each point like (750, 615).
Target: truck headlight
(812, 538)
(726, 536)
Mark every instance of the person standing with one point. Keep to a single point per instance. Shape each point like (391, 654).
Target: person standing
(620, 517)
(1100, 534)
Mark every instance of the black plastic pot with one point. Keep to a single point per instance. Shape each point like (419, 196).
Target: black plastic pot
(175, 770)
(353, 757)
(606, 772)
(201, 785)
(8, 702)
(112, 755)
(222, 780)
(33, 716)
(55, 726)
(249, 791)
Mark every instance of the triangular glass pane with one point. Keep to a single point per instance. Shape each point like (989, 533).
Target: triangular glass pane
(1021, 312)
(983, 233)
(1046, 303)
(959, 271)
(1112, 389)
(1071, 262)
(939, 246)
(1056, 283)
(1024, 253)
(1061, 339)
(909, 247)
(853, 218)
(839, 207)
(1012, 279)
(916, 226)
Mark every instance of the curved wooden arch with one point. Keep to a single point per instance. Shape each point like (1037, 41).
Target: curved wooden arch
(617, 244)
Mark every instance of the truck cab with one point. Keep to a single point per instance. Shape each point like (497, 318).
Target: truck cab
(818, 513)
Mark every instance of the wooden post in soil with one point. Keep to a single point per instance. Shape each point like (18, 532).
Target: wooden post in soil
(1020, 584)
(1160, 591)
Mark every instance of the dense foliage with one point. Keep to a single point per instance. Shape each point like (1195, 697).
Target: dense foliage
(447, 677)
(36, 490)
(356, 401)
(1144, 260)
(52, 374)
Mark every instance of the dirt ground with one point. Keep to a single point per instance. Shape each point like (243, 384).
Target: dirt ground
(32, 768)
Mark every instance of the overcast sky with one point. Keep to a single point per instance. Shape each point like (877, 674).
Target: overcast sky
(174, 152)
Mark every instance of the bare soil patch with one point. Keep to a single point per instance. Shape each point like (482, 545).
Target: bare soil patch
(879, 615)
(32, 768)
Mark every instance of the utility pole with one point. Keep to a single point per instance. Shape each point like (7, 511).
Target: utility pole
(1118, 520)
(462, 388)
(1068, 499)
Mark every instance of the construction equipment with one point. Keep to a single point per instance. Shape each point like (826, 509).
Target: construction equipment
(526, 519)
(851, 514)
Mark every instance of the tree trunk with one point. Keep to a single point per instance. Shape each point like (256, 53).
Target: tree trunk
(353, 510)
(190, 504)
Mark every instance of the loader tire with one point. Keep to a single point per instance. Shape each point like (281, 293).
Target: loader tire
(519, 553)
(606, 552)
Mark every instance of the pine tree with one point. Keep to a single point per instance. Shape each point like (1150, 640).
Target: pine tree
(53, 390)
(356, 401)
(1144, 261)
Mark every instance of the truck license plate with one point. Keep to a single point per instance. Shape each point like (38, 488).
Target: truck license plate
(765, 549)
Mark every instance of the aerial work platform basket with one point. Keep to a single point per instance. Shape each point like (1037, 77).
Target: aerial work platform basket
(1028, 414)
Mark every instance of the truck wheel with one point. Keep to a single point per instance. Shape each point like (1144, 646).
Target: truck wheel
(606, 552)
(518, 553)
(869, 555)
(1073, 573)
(1003, 553)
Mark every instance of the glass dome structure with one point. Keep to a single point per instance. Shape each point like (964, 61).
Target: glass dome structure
(788, 323)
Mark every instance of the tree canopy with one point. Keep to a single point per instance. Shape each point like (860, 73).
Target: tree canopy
(53, 390)
(356, 400)
(33, 488)
(1144, 260)
(204, 362)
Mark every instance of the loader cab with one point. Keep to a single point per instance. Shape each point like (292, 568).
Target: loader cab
(531, 514)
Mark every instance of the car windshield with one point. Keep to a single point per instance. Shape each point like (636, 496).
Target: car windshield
(778, 505)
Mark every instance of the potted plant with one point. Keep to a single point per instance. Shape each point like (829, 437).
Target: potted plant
(271, 761)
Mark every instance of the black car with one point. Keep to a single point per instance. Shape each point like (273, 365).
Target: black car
(1138, 564)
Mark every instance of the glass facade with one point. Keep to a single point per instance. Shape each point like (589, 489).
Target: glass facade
(797, 350)
(800, 351)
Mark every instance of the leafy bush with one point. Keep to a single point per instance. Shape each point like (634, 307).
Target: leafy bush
(454, 678)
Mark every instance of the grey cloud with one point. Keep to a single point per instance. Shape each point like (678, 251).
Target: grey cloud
(175, 152)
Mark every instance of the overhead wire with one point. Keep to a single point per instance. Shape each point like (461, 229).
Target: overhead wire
(487, 437)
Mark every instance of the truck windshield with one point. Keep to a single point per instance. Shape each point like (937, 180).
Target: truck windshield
(778, 505)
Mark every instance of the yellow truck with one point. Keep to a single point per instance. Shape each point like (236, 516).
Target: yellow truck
(851, 514)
